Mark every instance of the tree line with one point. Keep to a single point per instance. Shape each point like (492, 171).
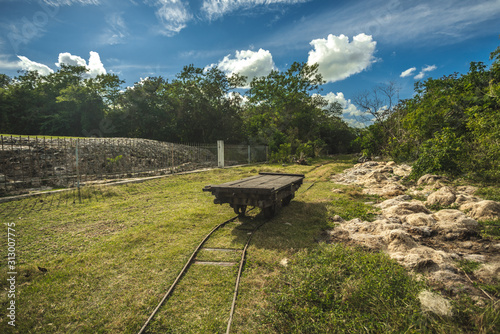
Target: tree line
(451, 125)
(198, 105)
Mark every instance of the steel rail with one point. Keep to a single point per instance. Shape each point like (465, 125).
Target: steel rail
(184, 270)
(240, 270)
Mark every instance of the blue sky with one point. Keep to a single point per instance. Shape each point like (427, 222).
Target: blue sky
(358, 44)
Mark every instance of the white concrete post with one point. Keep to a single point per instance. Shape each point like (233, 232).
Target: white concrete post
(220, 153)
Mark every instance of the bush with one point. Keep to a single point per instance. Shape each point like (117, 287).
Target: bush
(445, 153)
(283, 155)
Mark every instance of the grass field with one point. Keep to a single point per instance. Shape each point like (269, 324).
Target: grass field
(107, 262)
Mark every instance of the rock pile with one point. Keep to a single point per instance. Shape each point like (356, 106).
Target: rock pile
(378, 178)
(428, 228)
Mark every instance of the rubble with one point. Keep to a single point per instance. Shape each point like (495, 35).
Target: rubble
(482, 210)
(430, 236)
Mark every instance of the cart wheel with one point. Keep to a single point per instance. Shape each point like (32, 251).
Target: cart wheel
(269, 211)
(285, 201)
(240, 210)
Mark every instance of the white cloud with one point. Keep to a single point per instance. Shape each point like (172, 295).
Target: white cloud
(94, 68)
(355, 123)
(424, 70)
(116, 31)
(237, 97)
(408, 72)
(349, 109)
(67, 58)
(57, 3)
(429, 68)
(248, 63)
(214, 9)
(173, 15)
(423, 22)
(6, 64)
(339, 59)
(29, 65)
(419, 76)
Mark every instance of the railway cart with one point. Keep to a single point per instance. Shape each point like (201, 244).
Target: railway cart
(268, 191)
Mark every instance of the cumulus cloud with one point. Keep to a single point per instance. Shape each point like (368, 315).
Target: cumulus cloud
(173, 16)
(355, 123)
(28, 65)
(408, 72)
(338, 58)
(94, 68)
(215, 9)
(424, 70)
(67, 58)
(350, 113)
(248, 63)
(6, 64)
(349, 109)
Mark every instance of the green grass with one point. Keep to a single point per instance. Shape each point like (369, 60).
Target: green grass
(337, 289)
(490, 229)
(489, 192)
(111, 258)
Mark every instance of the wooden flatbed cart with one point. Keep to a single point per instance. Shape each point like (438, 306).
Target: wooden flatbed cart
(268, 191)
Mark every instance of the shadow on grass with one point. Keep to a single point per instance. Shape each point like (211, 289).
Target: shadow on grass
(297, 225)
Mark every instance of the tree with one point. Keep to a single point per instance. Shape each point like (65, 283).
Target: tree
(381, 107)
(206, 111)
(4, 103)
(281, 105)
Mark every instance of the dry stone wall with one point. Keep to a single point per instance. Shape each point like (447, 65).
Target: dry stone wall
(41, 162)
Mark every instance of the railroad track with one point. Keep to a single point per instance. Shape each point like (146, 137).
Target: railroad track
(192, 260)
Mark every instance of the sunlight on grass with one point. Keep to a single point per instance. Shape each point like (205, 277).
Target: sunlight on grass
(109, 260)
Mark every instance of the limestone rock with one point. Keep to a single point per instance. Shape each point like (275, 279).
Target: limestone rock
(420, 219)
(488, 271)
(422, 241)
(388, 190)
(405, 208)
(455, 224)
(429, 179)
(402, 170)
(462, 199)
(445, 196)
(393, 201)
(468, 190)
(434, 303)
(483, 210)
(400, 241)
(423, 259)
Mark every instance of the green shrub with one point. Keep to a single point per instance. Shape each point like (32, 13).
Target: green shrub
(445, 153)
(283, 155)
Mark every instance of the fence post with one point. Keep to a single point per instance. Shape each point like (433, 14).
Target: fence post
(220, 153)
(78, 173)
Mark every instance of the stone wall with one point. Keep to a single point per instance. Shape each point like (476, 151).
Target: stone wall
(42, 162)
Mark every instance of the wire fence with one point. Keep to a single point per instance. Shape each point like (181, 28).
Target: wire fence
(32, 163)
